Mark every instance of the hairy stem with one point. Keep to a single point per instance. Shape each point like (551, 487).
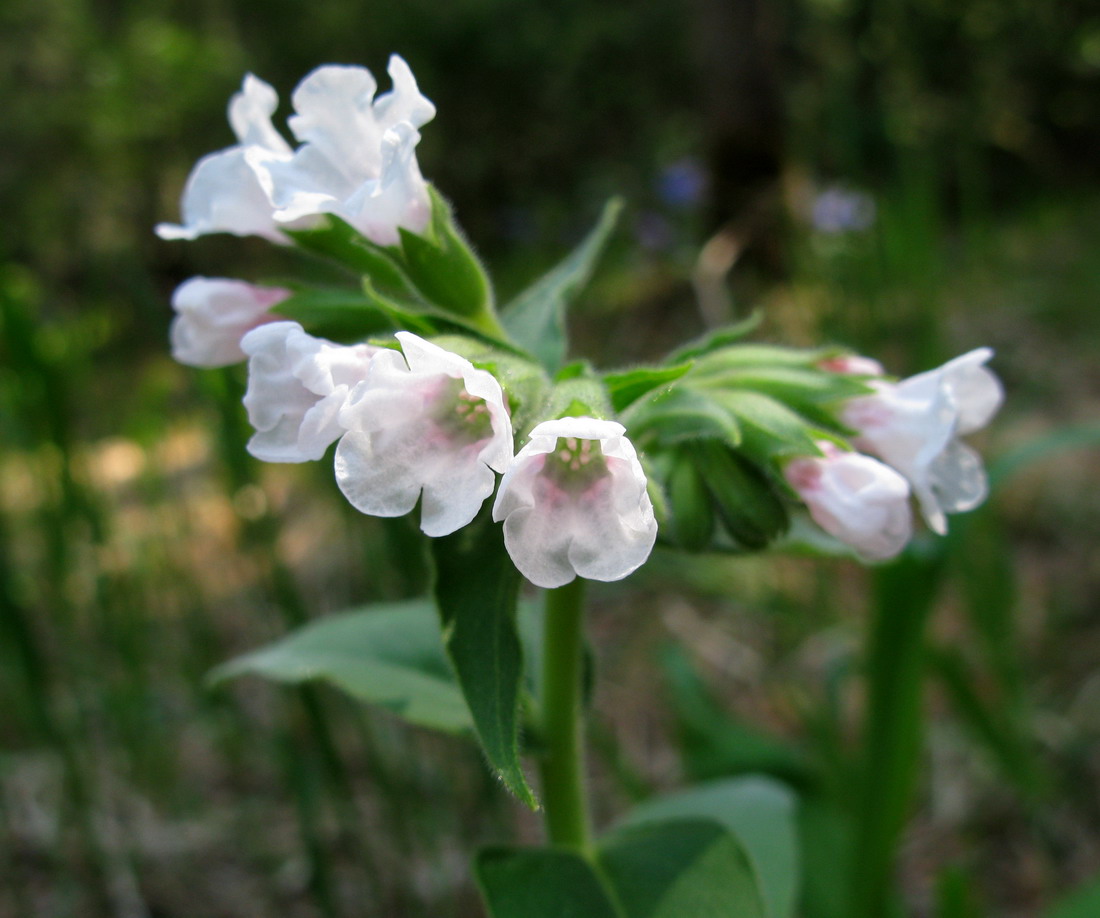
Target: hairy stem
(563, 782)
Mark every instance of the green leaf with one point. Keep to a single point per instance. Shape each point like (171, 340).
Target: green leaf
(334, 239)
(476, 589)
(340, 315)
(1083, 902)
(760, 812)
(630, 385)
(536, 318)
(541, 883)
(719, 338)
(680, 868)
(444, 267)
(681, 414)
(387, 655)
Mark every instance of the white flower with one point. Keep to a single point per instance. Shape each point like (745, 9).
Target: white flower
(427, 425)
(358, 153)
(213, 314)
(223, 193)
(574, 503)
(914, 426)
(297, 385)
(855, 499)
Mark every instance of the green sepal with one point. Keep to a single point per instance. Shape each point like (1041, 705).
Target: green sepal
(678, 415)
(627, 386)
(388, 655)
(339, 315)
(445, 269)
(690, 504)
(476, 589)
(769, 429)
(746, 502)
(536, 318)
(334, 239)
(719, 338)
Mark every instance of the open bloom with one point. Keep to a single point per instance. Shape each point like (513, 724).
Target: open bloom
(914, 426)
(358, 153)
(574, 503)
(223, 193)
(297, 385)
(213, 314)
(357, 160)
(855, 499)
(427, 425)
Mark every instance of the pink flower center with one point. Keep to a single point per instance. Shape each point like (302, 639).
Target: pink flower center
(575, 464)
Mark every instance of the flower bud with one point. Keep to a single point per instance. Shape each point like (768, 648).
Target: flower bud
(692, 511)
(750, 509)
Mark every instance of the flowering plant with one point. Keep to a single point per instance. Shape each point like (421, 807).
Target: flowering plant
(437, 399)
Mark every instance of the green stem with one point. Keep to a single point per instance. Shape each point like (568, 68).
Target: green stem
(563, 781)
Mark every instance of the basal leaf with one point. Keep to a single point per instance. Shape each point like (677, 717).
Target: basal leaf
(536, 318)
(388, 655)
(760, 812)
(476, 590)
(541, 883)
(680, 868)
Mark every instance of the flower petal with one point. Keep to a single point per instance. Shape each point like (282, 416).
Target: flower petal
(213, 314)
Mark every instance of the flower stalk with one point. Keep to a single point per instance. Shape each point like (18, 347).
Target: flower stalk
(564, 789)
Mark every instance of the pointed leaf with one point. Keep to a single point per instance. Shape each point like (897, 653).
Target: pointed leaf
(388, 655)
(541, 883)
(476, 589)
(630, 385)
(760, 812)
(536, 318)
(680, 868)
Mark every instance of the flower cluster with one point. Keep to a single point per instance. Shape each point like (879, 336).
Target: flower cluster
(425, 425)
(738, 436)
(357, 159)
(913, 426)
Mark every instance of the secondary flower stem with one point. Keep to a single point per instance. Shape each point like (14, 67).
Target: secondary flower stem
(563, 782)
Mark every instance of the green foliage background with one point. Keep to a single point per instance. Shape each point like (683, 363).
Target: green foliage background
(140, 546)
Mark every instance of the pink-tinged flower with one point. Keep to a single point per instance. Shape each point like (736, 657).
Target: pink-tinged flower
(297, 385)
(358, 153)
(427, 425)
(213, 314)
(855, 499)
(914, 426)
(223, 193)
(574, 503)
(853, 365)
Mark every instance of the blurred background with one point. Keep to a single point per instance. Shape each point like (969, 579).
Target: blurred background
(914, 178)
